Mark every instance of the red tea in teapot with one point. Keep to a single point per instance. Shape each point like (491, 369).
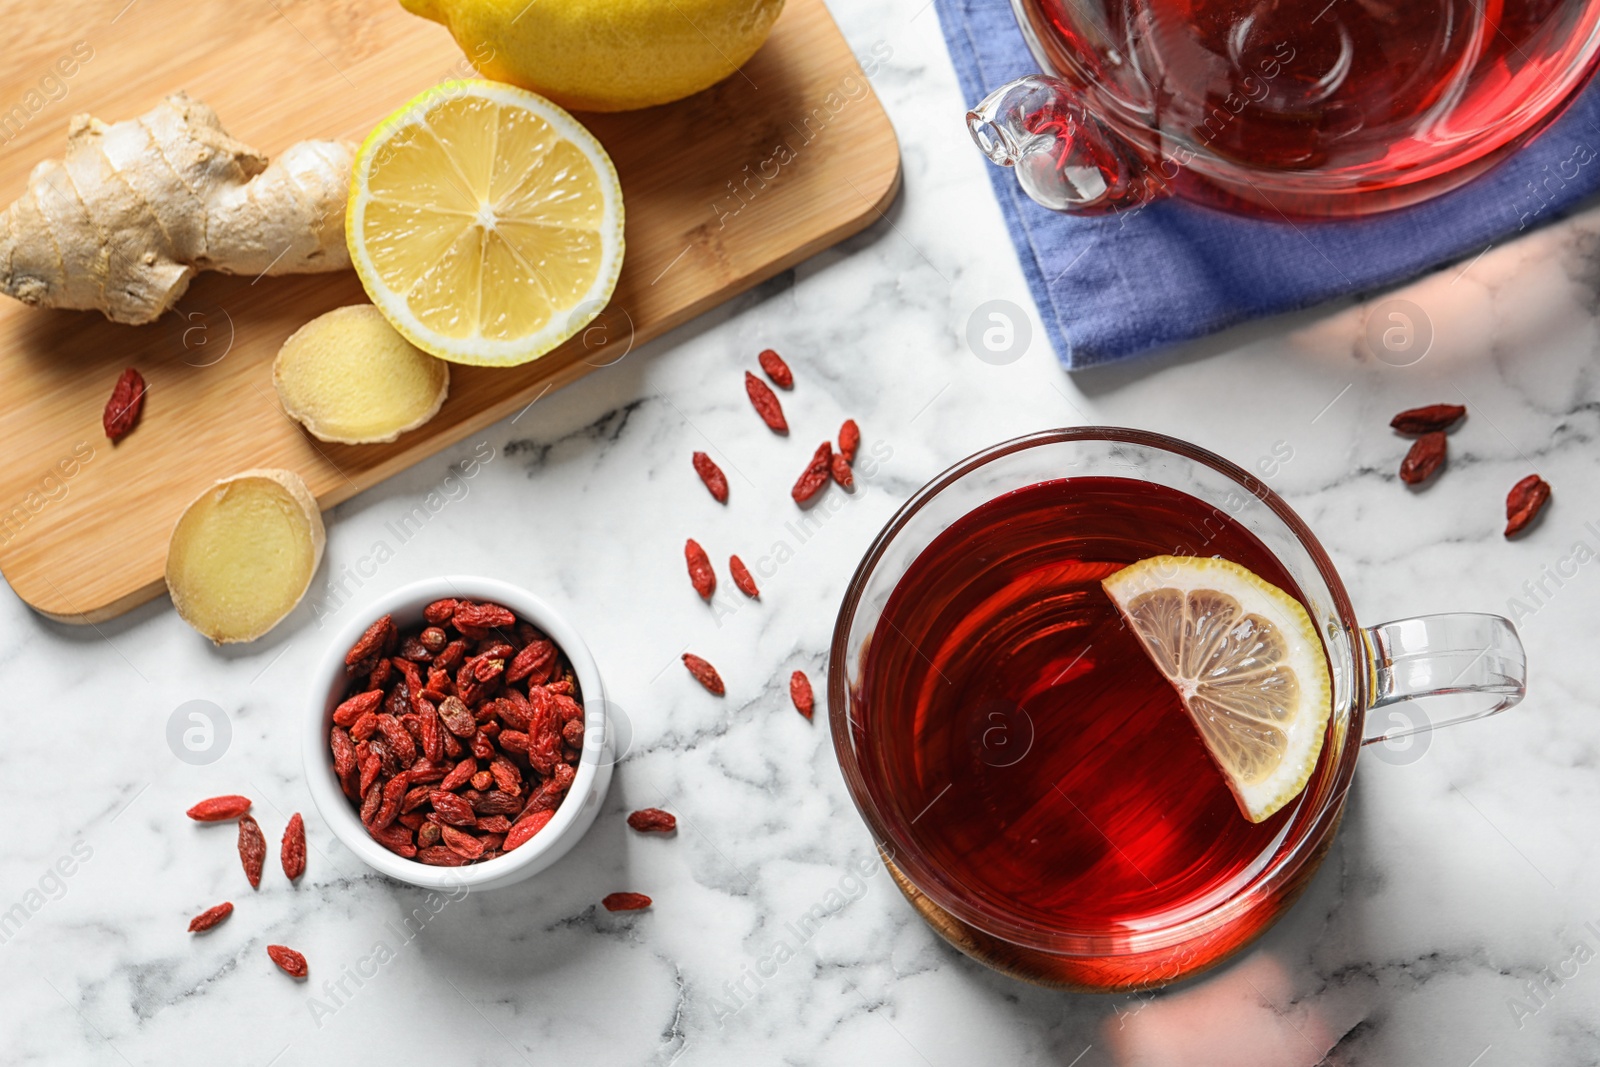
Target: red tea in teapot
(1037, 756)
(1368, 93)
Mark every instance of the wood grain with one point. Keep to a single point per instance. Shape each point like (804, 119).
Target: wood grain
(723, 191)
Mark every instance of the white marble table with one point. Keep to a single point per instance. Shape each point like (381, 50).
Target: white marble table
(1454, 923)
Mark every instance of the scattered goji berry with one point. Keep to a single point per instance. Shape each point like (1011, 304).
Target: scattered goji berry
(122, 410)
(742, 578)
(653, 821)
(293, 849)
(701, 575)
(704, 673)
(849, 440)
(210, 917)
(1523, 504)
(841, 471)
(766, 403)
(816, 474)
(252, 849)
(1428, 419)
(219, 809)
(800, 693)
(626, 901)
(712, 475)
(776, 369)
(288, 960)
(1424, 459)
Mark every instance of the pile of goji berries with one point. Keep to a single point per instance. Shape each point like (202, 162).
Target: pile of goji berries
(827, 464)
(1426, 456)
(253, 857)
(458, 738)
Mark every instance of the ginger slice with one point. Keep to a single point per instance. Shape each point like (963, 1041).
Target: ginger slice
(243, 553)
(349, 377)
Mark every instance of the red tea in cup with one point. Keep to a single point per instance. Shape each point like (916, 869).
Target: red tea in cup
(1038, 758)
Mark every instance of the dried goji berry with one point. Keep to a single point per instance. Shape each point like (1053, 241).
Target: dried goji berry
(1424, 459)
(766, 403)
(440, 856)
(375, 641)
(210, 917)
(452, 809)
(461, 843)
(344, 762)
(122, 410)
(526, 827)
(400, 741)
(219, 809)
(293, 849)
(701, 575)
(1523, 504)
(427, 835)
(396, 838)
(776, 369)
(712, 475)
(497, 803)
(485, 616)
(347, 713)
(849, 440)
(288, 960)
(800, 693)
(704, 673)
(742, 578)
(653, 821)
(1428, 419)
(841, 471)
(506, 775)
(252, 849)
(534, 663)
(440, 611)
(626, 901)
(816, 474)
(457, 717)
(394, 791)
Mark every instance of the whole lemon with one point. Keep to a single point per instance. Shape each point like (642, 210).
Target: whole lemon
(605, 55)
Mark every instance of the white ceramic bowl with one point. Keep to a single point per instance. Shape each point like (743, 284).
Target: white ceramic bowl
(577, 810)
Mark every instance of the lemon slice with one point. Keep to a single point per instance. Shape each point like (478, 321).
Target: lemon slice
(485, 223)
(1247, 663)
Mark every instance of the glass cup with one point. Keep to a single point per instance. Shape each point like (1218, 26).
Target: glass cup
(1462, 666)
(1305, 108)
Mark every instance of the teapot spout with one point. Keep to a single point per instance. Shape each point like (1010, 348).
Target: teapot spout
(1064, 157)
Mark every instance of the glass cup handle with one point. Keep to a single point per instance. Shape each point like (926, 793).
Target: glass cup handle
(1444, 655)
(1064, 158)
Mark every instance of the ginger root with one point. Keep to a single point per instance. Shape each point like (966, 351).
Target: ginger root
(122, 223)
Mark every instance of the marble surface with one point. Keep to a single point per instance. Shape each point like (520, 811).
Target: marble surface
(1455, 922)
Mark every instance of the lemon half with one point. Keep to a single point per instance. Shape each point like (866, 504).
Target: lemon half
(485, 223)
(1247, 663)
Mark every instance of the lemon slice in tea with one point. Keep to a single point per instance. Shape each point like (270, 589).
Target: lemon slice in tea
(1246, 662)
(485, 223)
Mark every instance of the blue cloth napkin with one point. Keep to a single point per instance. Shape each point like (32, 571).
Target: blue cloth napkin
(1114, 286)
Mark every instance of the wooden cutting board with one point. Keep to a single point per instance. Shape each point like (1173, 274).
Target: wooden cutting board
(723, 190)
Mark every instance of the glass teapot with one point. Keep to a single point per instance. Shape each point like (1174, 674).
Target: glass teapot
(1281, 107)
